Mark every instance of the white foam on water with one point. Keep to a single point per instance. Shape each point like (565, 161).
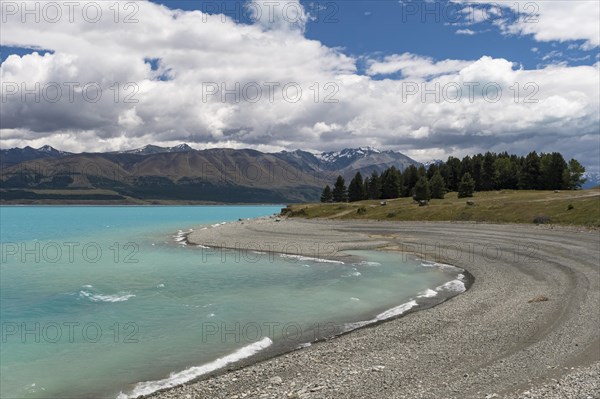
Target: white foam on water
(398, 310)
(365, 263)
(428, 293)
(147, 387)
(202, 246)
(87, 286)
(355, 299)
(453, 286)
(442, 266)
(319, 260)
(161, 285)
(120, 297)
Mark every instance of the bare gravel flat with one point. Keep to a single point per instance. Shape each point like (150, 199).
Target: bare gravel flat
(491, 341)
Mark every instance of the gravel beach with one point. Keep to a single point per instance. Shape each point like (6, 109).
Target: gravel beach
(527, 328)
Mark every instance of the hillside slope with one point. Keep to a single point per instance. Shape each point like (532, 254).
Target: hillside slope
(505, 206)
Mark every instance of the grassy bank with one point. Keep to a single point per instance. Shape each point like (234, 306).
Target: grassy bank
(507, 206)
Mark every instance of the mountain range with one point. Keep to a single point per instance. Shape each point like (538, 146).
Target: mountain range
(154, 173)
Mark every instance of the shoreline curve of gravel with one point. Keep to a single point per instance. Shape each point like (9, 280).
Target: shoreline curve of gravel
(491, 341)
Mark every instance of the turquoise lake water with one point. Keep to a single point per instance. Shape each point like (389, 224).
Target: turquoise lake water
(106, 302)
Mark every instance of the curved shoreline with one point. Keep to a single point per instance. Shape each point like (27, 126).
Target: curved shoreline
(490, 339)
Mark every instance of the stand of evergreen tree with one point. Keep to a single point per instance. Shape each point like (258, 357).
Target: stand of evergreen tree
(356, 189)
(489, 171)
(466, 187)
(327, 195)
(422, 192)
(438, 186)
(340, 192)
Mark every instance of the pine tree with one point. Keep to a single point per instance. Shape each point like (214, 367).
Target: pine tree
(466, 186)
(374, 186)
(454, 173)
(476, 164)
(327, 196)
(391, 183)
(409, 178)
(438, 188)
(488, 172)
(356, 189)
(422, 192)
(340, 192)
(529, 179)
(553, 167)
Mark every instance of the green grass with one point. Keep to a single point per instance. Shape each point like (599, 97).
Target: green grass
(506, 206)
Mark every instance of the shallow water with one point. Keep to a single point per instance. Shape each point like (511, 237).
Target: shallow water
(97, 300)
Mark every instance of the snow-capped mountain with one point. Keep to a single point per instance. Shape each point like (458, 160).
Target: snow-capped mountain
(347, 153)
(593, 179)
(432, 162)
(154, 149)
(348, 161)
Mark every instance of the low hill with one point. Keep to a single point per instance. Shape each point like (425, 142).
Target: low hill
(580, 207)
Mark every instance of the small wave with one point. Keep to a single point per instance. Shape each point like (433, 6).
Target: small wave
(442, 266)
(428, 293)
(355, 299)
(212, 315)
(452, 286)
(87, 286)
(398, 310)
(161, 285)
(365, 263)
(304, 345)
(319, 260)
(202, 246)
(352, 274)
(147, 387)
(120, 297)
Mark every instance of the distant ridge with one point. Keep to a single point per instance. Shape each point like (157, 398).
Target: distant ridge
(183, 173)
(154, 149)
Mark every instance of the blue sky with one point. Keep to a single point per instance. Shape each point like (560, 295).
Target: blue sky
(372, 52)
(379, 28)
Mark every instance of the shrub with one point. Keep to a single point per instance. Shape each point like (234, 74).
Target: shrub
(541, 219)
(570, 207)
(300, 212)
(391, 214)
(361, 211)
